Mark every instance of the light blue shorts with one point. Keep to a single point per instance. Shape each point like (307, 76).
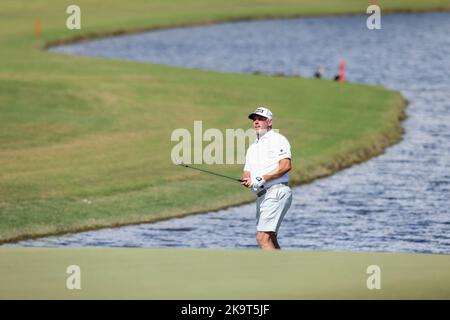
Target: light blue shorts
(271, 208)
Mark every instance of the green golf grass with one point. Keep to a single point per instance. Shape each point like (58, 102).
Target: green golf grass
(38, 273)
(85, 142)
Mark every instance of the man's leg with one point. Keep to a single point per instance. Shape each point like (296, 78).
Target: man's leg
(270, 210)
(273, 236)
(267, 240)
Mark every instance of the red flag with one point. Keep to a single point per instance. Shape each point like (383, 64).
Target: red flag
(342, 71)
(37, 27)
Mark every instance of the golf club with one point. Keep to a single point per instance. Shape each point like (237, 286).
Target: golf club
(210, 172)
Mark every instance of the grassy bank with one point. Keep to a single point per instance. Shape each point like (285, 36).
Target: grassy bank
(219, 274)
(85, 142)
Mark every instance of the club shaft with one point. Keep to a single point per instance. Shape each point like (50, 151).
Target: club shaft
(213, 173)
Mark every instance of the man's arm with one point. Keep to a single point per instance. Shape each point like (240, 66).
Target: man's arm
(283, 167)
(246, 179)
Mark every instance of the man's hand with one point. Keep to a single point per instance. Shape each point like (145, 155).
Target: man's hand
(247, 182)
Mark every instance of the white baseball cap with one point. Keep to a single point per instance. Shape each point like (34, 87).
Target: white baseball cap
(261, 111)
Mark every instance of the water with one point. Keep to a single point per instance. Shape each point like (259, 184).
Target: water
(399, 201)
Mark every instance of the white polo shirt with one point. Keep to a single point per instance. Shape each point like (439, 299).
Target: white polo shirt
(265, 154)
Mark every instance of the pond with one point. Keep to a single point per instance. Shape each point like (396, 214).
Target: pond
(397, 202)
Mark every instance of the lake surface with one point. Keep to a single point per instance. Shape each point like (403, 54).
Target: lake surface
(398, 202)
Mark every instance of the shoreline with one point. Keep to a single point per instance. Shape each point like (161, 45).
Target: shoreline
(121, 32)
(379, 142)
(342, 162)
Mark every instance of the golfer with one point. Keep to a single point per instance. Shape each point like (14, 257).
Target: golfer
(267, 163)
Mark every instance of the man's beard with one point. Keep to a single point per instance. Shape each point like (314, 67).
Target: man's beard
(261, 132)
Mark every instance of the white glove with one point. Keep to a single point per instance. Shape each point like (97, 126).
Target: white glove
(258, 184)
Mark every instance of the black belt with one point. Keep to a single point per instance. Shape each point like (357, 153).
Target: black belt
(264, 191)
(261, 193)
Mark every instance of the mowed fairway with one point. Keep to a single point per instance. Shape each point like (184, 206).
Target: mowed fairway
(40, 273)
(85, 142)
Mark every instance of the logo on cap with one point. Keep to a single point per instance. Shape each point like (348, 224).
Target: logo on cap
(262, 112)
